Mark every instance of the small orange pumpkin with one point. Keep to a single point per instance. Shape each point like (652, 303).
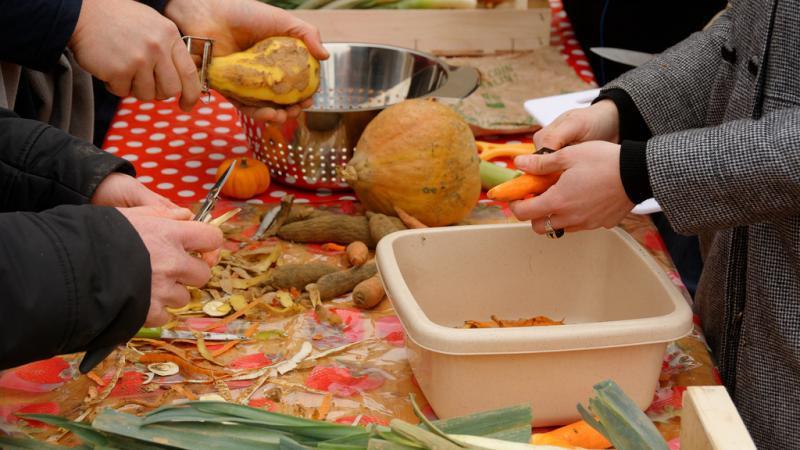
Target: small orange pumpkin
(250, 177)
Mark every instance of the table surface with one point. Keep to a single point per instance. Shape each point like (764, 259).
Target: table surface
(176, 154)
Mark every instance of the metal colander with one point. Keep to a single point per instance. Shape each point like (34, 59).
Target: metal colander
(356, 83)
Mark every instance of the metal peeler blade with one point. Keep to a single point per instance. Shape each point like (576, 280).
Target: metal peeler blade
(203, 47)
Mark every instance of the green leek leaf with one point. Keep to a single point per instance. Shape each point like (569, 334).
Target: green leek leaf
(620, 420)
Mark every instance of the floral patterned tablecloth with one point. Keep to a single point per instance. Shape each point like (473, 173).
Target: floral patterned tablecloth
(367, 380)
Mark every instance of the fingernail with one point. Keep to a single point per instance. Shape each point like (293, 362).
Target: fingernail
(521, 161)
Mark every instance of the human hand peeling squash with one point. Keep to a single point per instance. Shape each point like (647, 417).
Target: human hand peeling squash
(236, 26)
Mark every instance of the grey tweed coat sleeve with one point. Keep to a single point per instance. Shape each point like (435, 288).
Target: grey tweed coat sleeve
(706, 175)
(724, 162)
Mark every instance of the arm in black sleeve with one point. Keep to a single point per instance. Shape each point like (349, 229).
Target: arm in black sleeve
(73, 278)
(633, 132)
(42, 166)
(34, 33)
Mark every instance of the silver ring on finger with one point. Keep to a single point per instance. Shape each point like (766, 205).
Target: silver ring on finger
(552, 233)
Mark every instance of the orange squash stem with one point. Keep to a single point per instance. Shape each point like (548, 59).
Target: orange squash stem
(522, 186)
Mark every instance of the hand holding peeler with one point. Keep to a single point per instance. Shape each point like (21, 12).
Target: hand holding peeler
(94, 357)
(202, 47)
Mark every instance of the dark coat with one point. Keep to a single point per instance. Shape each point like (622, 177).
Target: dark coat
(72, 276)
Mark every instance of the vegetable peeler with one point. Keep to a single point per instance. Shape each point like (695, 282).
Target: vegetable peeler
(202, 47)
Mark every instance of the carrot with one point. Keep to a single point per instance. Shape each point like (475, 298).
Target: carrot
(357, 253)
(546, 439)
(578, 434)
(409, 220)
(521, 186)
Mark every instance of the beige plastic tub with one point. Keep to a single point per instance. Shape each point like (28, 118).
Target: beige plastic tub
(620, 309)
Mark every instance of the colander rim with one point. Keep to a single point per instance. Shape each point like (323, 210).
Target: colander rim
(446, 67)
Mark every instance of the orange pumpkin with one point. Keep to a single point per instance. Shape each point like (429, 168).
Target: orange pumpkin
(250, 177)
(418, 156)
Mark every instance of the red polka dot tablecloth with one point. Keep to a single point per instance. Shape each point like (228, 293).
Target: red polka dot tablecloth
(177, 154)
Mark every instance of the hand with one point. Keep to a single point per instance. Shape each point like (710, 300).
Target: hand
(599, 122)
(133, 49)
(589, 194)
(237, 25)
(169, 241)
(121, 190)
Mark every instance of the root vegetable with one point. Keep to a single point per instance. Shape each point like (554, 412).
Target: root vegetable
(298, 276)
(300, 212)
(338, 228)
(380, 225)
(522, 186)
(338, 283)
(409, 220)
(368, 293)
(357, 253)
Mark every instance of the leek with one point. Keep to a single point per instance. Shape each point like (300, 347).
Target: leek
(493, 175)
(620, 420)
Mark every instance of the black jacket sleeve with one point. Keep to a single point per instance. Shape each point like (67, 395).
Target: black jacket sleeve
(34, 33)
(73, 278)
(633, 132)
(41, 166)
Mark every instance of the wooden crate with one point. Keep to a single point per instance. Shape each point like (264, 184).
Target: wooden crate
(709, 421)
(442, 32)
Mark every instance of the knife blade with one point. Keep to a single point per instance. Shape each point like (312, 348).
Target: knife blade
(160, 333)
(623, 56)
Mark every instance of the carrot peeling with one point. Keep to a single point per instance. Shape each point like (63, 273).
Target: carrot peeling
(183, 391)
(333, 247)
(229, 345)
(232, 317)
(183, 364)
(93, 376)
(522, 186)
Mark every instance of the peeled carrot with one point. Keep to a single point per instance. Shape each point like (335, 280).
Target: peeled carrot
(525, 184)
(578, 434)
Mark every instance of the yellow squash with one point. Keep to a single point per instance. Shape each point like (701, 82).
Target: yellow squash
(278, 70)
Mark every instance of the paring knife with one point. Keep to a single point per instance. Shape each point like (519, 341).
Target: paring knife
(623, 56)
(160, 333)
